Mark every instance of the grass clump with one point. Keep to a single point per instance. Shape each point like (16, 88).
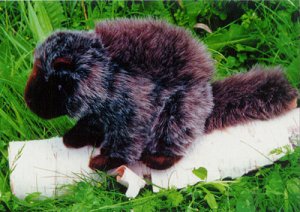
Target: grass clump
(243, 34)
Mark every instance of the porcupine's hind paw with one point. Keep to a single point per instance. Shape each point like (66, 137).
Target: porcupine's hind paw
(159, 162)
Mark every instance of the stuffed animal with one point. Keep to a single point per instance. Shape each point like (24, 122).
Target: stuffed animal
(141, 90)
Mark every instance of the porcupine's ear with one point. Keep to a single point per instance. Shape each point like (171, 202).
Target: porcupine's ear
(259, 94)
(63, 63)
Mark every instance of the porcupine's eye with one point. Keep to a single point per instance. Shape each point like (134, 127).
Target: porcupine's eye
(63, 72)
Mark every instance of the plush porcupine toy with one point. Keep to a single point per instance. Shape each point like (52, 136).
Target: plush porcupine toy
(141, 90)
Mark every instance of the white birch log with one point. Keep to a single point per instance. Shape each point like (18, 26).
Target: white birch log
(44, 165)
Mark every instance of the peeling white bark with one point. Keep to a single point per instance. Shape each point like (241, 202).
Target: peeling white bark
(44, 165)
(129, 179)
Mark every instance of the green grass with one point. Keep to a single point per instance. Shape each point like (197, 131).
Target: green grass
(244, 34)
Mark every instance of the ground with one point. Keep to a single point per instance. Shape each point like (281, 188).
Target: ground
(243, 34)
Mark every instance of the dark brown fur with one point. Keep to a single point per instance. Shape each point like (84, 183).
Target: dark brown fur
(257, 95)
(156, 49)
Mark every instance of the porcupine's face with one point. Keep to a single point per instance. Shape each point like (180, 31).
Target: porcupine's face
(61, 63)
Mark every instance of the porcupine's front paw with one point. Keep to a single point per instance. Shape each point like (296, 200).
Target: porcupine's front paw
(84, 133)
(104, 163)
(73, 140)
(78, 139)
(159, 162)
